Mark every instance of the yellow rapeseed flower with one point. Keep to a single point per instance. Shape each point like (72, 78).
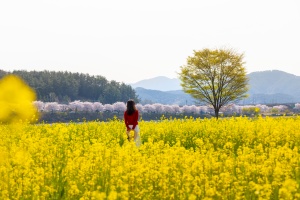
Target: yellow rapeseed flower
(236, 158)
(16, 99)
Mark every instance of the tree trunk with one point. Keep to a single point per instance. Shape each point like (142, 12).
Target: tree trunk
(217, 113)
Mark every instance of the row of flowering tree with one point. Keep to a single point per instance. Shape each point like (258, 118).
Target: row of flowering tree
(78, 106)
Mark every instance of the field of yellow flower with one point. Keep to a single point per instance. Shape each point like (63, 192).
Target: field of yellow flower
(236, 158)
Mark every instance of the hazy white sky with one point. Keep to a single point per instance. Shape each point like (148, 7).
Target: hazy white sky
(133, 40)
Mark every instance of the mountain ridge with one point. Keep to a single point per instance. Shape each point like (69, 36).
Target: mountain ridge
(266, 87)
(162, 83)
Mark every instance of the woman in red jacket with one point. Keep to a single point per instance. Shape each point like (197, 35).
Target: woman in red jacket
(131, 116)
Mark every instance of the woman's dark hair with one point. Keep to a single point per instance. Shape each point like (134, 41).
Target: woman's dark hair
(130, 106)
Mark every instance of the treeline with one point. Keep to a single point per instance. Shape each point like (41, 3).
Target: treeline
(64, 87)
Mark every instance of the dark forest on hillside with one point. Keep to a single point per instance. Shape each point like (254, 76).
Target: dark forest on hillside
(64, 87)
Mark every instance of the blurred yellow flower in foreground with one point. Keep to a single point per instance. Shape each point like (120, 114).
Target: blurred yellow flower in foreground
(16, 99)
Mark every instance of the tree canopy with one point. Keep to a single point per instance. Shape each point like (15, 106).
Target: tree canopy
(215, 77)
(65, 87)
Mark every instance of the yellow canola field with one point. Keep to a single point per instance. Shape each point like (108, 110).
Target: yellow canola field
(236, 158)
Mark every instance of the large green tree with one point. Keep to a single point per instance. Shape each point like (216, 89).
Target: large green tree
(215, 77)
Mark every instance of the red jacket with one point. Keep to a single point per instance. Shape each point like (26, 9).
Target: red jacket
(131, 119)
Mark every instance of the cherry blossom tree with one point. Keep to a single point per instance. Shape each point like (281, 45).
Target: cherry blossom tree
(88, 106)
(264, 108)
(51, 107)
(159, 108)
(63, 107)
(98, 107)
(236, 109)
(202, 109)
(168, 109)
(297, 106)
(139, 107)
(148, 108)
(280, 108)
(186, 109)
(108, 107)
(76, 106)
(39, 105)
(194, 109)
(176, 109)
(119, 107)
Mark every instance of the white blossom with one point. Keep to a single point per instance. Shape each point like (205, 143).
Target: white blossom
(98, 107)
(139, 107)
(88, 106)
(186, 109)
(176, 108)
(76, 106)
(203, 109)
(148, 108)
(297, 106)
(263, 108)
(63, 107)
(119, 107)
(51, 107)
(194, 109)
(39, 105)
(159, 108)
(108, 107)
(168, 109)
(154, 108)
(280, 108)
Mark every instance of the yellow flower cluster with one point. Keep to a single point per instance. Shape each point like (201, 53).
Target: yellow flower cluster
(16, 99)
(236, 158)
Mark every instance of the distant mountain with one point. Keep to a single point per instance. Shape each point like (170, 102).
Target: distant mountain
(273, 86)
(271, 82)
(161, 83)
(164, 97)
(266, 87)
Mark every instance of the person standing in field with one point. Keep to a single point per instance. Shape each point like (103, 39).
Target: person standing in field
(131, 116)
